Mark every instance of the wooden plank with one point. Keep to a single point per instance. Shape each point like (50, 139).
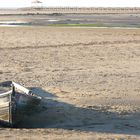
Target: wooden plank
(21, 88)
(5, 99)
(25, 90)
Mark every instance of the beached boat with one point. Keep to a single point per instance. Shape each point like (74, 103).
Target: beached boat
(14, 97)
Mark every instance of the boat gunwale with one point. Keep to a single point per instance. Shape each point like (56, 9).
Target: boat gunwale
(6, 93)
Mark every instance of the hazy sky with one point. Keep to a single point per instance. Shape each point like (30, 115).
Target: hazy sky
(86, 3)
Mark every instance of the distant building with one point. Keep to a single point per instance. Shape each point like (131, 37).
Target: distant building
(37, 3)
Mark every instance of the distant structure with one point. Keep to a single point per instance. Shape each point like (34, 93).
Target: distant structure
(38, 8)
(36, 3)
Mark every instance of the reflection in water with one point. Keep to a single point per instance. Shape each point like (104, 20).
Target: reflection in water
(5, 25)
(13, 23)
(53, 20)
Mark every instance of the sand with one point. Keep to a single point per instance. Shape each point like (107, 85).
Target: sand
(88, 78)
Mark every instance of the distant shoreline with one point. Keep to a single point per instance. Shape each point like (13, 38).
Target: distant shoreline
(69, 10)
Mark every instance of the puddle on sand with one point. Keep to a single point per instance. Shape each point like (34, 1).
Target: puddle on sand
(13, 23)
(5, 25)
(53, 20)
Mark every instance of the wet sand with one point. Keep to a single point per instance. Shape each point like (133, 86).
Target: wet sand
(98, 20)
(88, 78)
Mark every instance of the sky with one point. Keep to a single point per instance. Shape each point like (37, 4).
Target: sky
(71, 3)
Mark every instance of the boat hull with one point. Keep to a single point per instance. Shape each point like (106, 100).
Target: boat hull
(13, 104)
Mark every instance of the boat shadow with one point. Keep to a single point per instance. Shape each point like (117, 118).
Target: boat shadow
(51, 113)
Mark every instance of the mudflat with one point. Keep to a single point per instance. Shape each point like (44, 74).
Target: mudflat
(61, 19)
(89, 79)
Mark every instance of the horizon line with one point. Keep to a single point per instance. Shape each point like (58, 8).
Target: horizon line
(68, 7)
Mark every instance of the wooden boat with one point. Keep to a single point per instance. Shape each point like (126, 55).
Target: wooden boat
(14, 97)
